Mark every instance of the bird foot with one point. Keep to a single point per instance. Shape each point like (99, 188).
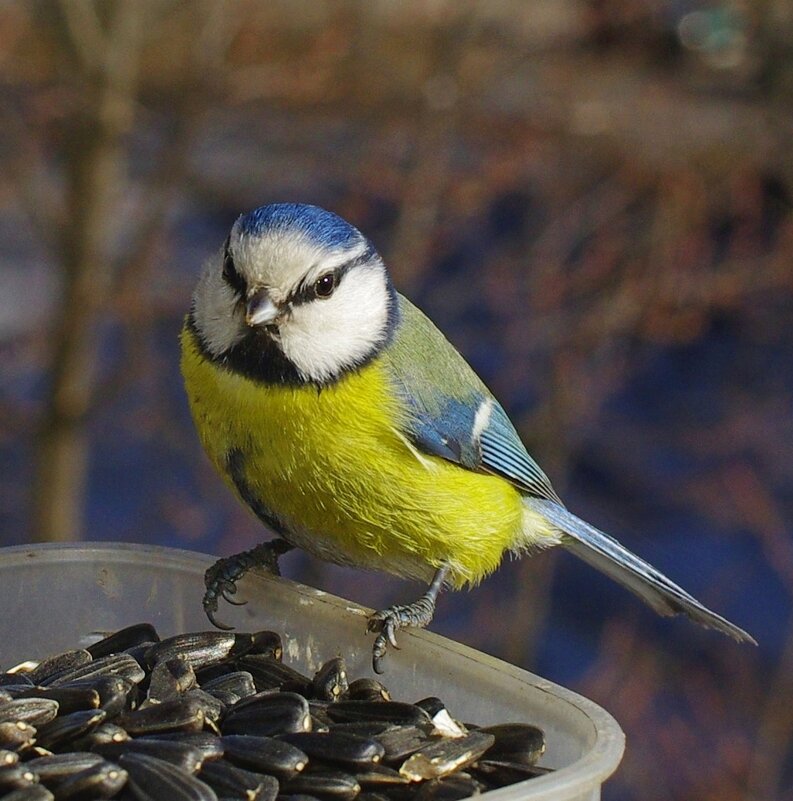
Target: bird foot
(221, 579)
(388, 621)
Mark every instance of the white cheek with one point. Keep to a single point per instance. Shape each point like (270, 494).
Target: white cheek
(322, 338)
(216, 311)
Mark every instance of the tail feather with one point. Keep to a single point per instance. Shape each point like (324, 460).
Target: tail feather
(607, 555)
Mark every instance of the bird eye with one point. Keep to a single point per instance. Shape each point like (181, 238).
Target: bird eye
(324, 285)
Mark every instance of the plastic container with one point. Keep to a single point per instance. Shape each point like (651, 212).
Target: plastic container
(56, 597)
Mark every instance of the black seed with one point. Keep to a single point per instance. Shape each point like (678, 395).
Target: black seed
(270, 674)
(12, 777)
(33, 792)
(370, 728)
(267, 643)
(179, 714)
(515, 743)
(99, 781)
(56, 768)
(14, 679)
(368, 690)
(401, 741)
(184, 756)
(329, 784)
(53, 666)
(15, 736)
(443, 757)
(238, 683)
(36, 711)
(170, 678)
(124, 639)
(266, 714)
(198, 648)
(121, 665)
(213, 707)
(332, 746)
(103, 734)
(391, 711)
(452, 788)
(70, 699)
(210, 746)
(264, 755)
(502, 774)
(380, 776)
(65, 729)
(153, 779)
(230, 781)
(330, 681)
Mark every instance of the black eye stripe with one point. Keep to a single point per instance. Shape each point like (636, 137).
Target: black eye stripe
(230, 274)
(305, 293)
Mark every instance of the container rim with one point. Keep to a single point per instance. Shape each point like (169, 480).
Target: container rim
(608, 740)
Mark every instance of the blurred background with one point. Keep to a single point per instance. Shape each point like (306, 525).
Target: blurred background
(592, 198)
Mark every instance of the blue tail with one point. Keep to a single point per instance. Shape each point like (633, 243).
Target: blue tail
(607, 555)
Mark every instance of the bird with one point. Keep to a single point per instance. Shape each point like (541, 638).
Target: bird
(354, 430)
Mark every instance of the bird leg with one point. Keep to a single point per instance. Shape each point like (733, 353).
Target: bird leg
(221, 579)
(418, 614)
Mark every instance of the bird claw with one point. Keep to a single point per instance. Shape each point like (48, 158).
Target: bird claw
(221, 579)
(211, 608)
(387, 622)
(228, 592)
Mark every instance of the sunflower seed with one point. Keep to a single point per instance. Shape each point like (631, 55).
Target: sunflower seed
(36, 711)
(330, 784)
(270, 674)
(70, 699)
(452, 788)
(32, 792)
(515, 743)
(152, 779)
(124, 639)
(330, 681)
(349, 749)
(379, 776)
(197, 648)
(230, 781)
(67, 728)
(13, 777)
(365, 689)
(170, 678)
(56, 768)
(53, 666)
(122, 665)
(184, 756)
(16, 736)
(103, 780)
(264, 754)
(266, 714)
(179, 714)
(441, 758)
(267, 643)
(391, 711)
(238, 684)
(210, 746)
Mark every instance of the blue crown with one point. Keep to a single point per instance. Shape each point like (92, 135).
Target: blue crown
(322, 227)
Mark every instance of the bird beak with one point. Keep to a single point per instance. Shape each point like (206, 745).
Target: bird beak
(260, 309)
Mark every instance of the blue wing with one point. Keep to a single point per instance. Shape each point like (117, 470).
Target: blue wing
(450, 412)
(450, 432)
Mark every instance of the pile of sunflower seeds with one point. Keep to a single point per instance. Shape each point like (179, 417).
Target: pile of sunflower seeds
(214, 715)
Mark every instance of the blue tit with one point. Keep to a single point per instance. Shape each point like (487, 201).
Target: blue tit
(349, 425)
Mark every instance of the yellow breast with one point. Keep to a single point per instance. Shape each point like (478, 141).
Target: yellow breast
(334, 468)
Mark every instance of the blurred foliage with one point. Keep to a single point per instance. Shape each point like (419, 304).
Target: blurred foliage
(593, 199)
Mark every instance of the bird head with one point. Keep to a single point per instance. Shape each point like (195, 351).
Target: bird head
(296, 295)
